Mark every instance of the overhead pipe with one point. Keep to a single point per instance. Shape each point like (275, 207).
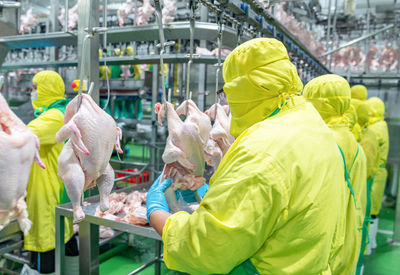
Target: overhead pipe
(357, 40)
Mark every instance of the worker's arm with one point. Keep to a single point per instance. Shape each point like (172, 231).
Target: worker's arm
(158, 219)
(47, 125)
(244, 203)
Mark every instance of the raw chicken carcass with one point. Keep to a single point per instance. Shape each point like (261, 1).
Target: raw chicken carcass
(357, 59)
(126, 73)
(220, 139)
(144, 13)
(337, 61)
(72, 17)
(27, 21)
(371, 60)
(136, 199)
(106, 232)
(224, 52)
(196, 117)
(83, 162)
(169, 11)
(125, 10)
(184, 151)
(115, 208)
(136, 216)
(203, 51)
(18, 148)
(119, 197)
(388, 58)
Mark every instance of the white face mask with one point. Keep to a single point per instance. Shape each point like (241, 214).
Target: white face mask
(34, 95)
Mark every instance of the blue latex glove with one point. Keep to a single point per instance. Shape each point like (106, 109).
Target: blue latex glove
(189, 195)
(155, 197)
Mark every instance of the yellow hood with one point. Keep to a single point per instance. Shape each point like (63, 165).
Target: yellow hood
(259, 78)
(376, 109)
(50, 87)
(359, 92)
(363, 114)
(330, 94)
(351, 115)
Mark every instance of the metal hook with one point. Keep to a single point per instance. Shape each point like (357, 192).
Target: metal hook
(192, 7)
(219, 43)
(162, 45)
(239, 33)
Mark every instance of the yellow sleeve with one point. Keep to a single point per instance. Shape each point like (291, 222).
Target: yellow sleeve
(384, 146)
(370, 145)
(47, 125)
(381, 131)
(240, 211)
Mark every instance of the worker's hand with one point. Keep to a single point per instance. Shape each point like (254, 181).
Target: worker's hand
(155, 197)
(190, 196)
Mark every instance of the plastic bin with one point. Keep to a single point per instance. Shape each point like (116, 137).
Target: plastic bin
(143, 178)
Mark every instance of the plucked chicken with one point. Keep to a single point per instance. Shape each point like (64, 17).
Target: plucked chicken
(84, 160)
(18, 148)
(184, 151)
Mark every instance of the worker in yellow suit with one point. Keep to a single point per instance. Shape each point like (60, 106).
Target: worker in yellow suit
(44, 186)
(378, 125)
(359, 92)
(272, 206)
(369, 143)
(330, 95)
(358, 95)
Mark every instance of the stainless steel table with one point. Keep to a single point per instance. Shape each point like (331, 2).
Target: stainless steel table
(89, 236)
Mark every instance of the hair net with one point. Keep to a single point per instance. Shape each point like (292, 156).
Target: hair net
(376, 109)
(330, 95)
(351, 115)
(359, 92)
(50, 87)
(259, 78)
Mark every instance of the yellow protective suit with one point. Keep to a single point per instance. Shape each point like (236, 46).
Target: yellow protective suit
(44, 186)
(268, 201)
(359, 92)
(368, 141)
(356, 130)
(378, 125)
(330, 95)
(351, 115)
(102, 69)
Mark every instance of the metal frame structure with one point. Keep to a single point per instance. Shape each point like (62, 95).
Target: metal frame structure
(229, 31)
(89, 236)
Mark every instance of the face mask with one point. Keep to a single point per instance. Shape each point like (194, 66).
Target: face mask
(34, 95)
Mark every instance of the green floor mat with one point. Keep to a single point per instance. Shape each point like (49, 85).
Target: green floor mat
(131, 258)
(385, 259)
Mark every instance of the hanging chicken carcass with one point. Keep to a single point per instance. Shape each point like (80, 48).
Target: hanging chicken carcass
(72, 17)
(169, 11)
(220, 139)
(84, 160)
(18, 148)
(27, 21)
(184, 152)
(124, 11)
(144, 13)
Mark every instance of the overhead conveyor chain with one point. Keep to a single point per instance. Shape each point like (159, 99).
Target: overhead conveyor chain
(257, 16)
(248, 19)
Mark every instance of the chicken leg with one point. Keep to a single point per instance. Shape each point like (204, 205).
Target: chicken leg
(70, 171)
(105, 184)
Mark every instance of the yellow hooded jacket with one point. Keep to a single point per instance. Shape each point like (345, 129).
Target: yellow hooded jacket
(368, 140)
(268, 201)
(359, 92)
(378, 125)
(44, 186)
(330, 95)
